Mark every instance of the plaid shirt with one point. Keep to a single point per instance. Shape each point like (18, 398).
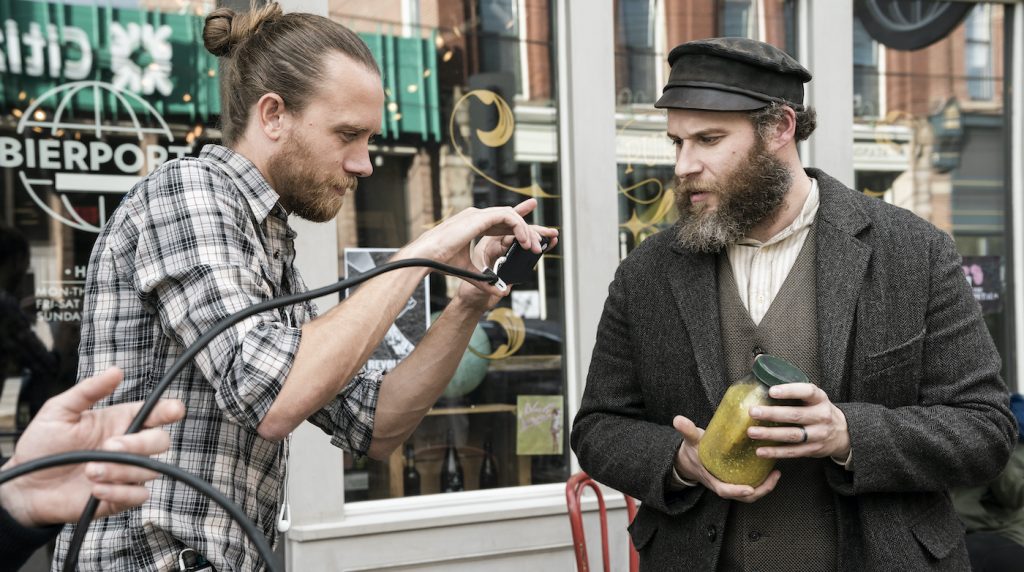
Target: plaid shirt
(196, 241)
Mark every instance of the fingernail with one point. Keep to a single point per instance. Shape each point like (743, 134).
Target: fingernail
(95, 471)
(755, 411)
(115, 445)
(100, 491)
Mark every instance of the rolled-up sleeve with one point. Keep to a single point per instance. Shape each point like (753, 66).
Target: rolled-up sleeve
(348, 418)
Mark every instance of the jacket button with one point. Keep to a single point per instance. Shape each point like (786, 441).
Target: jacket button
(757, 351)
(754, 536)
(712, 532)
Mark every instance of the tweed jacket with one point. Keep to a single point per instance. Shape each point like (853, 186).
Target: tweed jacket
(904, 353)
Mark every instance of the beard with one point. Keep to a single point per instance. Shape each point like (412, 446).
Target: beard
(299, 180)
(750, 195)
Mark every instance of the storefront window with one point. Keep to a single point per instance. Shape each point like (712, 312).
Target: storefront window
(645, 32)
(94, 95)
(937, 144)
(470, 121)
(97, 94)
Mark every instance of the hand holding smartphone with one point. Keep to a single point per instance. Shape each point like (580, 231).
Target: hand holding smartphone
(517, 265)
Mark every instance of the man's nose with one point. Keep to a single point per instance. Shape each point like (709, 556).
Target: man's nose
(359, 164)
(687, 163)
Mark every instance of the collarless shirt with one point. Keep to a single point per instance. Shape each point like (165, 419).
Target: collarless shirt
(760, 268)
(194, 242)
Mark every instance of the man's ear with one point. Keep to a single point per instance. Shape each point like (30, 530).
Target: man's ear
(272, 116)
(784, 131)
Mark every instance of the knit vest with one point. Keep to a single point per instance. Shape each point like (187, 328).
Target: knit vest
(794, 527)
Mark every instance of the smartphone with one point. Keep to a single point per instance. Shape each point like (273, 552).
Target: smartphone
(517, 265)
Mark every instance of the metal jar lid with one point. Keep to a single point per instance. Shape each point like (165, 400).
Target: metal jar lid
(773, 370)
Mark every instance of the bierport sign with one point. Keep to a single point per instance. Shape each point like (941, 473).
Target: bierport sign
(73, 166)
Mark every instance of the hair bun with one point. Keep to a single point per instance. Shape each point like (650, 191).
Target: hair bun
(225, 29)
(217, 32)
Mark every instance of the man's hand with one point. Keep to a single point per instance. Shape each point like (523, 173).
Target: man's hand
(489, 248)
(689, 467)
(820, 427)
(65, 423)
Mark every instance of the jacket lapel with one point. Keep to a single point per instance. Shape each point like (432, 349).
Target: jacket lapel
(696, 295)
(842, 262)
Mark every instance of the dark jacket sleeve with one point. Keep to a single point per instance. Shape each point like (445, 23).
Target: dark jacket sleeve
(18, 543)
(615, 443)
(960, 432)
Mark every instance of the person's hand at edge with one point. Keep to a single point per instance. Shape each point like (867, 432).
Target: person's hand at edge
(66, 423)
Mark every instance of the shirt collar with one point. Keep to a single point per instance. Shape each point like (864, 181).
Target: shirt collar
(803, 220)
(262, 198)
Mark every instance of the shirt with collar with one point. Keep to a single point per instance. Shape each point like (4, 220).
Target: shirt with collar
(196, 241)
(760, 268)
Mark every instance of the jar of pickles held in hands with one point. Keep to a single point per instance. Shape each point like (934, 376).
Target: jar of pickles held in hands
(725, 449)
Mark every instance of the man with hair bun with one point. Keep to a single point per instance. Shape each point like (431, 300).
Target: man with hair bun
(867, 299)
(202, 238)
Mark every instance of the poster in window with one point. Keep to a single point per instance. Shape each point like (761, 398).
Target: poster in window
(539, 425)
(984, 275)
(413, 320)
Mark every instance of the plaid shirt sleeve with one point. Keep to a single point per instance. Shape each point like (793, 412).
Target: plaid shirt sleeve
(348, 418)
(196, 262)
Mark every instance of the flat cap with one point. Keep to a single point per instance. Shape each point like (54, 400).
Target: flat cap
(732, 74)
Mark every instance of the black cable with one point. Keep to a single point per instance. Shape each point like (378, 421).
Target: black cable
(90, 508)
(75, 457)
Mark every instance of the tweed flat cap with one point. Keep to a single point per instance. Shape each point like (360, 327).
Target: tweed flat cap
(732, 74)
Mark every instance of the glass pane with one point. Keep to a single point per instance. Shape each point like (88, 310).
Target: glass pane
(470, 121)
(936, 145)
(645, 33)
(80, 126)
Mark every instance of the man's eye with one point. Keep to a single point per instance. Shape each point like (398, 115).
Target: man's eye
(371, 140)
(709, 140)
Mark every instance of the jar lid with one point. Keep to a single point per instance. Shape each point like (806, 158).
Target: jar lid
(773, 370)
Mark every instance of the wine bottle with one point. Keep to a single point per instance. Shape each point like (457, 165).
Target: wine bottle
(411, 477)
(452, 479)
(488, 469)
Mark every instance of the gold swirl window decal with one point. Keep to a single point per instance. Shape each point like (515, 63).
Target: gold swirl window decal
(515, 333)
(662, 199)
(496, 137)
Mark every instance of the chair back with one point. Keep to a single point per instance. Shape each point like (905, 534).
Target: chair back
(574, 489)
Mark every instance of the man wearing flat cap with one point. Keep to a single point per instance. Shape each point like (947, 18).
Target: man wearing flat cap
(867, 299)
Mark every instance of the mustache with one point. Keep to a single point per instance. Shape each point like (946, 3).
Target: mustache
(689, 186)
(347, 182)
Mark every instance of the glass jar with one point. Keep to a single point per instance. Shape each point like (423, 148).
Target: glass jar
(725, 449)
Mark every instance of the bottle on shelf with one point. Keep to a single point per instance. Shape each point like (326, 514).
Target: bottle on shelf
(411, 477)
(452, 479)
(488, 468)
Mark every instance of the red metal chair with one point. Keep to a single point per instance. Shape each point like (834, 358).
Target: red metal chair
(574, 489)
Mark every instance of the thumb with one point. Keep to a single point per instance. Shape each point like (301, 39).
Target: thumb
(87, 392)
(690, 431)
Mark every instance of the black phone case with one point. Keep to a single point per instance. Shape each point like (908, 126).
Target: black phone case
(519, 263)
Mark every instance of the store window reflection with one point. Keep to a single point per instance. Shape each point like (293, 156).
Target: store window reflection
(645, 32)
(930, 136)
(94, 95)
(470, 121)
